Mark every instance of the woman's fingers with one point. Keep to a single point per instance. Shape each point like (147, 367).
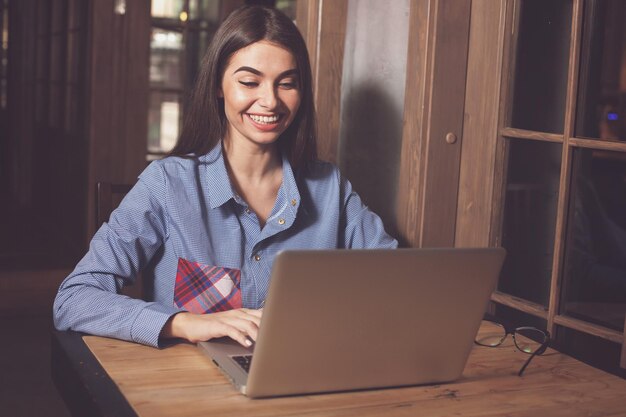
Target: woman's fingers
(239, 336)
(246, 324)
(241, 325)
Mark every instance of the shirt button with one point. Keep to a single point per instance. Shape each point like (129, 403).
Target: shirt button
(257, 257)
(248, 211)
(293, 202)
(281, 221)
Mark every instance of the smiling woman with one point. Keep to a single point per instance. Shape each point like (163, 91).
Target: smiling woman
(261, 99)
(242, 184)
(259, 93)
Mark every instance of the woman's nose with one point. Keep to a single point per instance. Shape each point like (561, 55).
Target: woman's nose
(268, 97)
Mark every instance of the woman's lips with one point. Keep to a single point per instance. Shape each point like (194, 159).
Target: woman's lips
(264, 123)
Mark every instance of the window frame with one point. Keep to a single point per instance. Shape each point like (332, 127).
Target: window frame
(569, 142)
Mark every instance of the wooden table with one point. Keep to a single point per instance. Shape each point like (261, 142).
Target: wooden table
(128, 379)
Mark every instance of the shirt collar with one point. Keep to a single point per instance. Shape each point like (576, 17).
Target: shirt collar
(221, 190)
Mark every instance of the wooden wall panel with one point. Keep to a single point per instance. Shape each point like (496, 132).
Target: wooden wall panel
(323, 26)
(480, 129)
(410, 196)
(372, 102)
(119, 83)
(446, 118)
(433, 122)
(307, 18)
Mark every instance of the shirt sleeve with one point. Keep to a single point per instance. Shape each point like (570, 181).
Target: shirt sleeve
(88, 300)
(363, 228)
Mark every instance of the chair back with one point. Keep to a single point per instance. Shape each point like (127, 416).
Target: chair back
(108, 197)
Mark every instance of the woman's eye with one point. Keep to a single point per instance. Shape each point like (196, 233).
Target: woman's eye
(287, 85)
(249, 83)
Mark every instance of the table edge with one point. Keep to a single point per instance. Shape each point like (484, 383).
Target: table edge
(83, 384)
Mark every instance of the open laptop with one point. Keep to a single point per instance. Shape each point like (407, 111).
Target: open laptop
(341, 320)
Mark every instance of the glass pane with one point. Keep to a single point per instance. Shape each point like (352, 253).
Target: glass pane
(288, 7)
(595, 262)
(602, 85)
(541, 65)
(598, 352)
(168, 8)
(163, 121)
(205, 10)
(518, 318)
(197, 43)
(166, 58)
(530, 218)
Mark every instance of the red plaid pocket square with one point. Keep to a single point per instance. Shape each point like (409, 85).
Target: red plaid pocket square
(206, 289)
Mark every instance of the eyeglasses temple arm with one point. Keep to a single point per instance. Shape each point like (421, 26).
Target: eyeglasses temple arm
(539, 351)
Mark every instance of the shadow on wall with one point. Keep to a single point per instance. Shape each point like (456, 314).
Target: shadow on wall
(369, 151)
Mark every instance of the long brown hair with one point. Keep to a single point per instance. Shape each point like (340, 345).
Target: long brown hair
(205, 122)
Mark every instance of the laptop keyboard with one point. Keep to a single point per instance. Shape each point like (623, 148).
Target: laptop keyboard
(244, 361)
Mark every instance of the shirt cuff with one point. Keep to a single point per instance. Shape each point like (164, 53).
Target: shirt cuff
(150, 321)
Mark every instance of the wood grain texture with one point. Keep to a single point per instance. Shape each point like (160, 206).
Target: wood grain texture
(446, 102)
(512, 14)
(519, 304)
(307, 18)
(119, 84)
(590, 328)
(410, 194)
(328, 72)
(566, 164)
(604, 145)
(480, 127)
(511, 132)
(180, 381)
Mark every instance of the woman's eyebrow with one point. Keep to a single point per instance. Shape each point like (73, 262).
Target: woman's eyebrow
(255, 71)
(248, 69)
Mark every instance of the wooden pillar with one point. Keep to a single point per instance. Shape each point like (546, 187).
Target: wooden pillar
(433, 122)
(119, 60)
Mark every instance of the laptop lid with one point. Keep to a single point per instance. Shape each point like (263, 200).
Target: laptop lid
(354, 319)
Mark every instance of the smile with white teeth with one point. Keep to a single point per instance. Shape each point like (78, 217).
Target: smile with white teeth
(265, 120)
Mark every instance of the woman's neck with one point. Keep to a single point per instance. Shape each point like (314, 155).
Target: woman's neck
(252, 164)
(256, 175)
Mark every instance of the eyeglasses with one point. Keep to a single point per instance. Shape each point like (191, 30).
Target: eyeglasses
(529, 340)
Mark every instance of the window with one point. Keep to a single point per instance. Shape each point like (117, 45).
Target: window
(564, 216)
(181, 32)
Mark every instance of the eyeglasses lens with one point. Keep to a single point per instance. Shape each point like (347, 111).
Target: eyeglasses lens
(490, 334)
(528, 339)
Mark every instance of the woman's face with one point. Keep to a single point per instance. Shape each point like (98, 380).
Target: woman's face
(261, 94)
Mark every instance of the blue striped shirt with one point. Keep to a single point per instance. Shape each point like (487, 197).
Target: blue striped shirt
(187, 208)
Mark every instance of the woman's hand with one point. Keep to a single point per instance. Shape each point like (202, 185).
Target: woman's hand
(241, 325)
